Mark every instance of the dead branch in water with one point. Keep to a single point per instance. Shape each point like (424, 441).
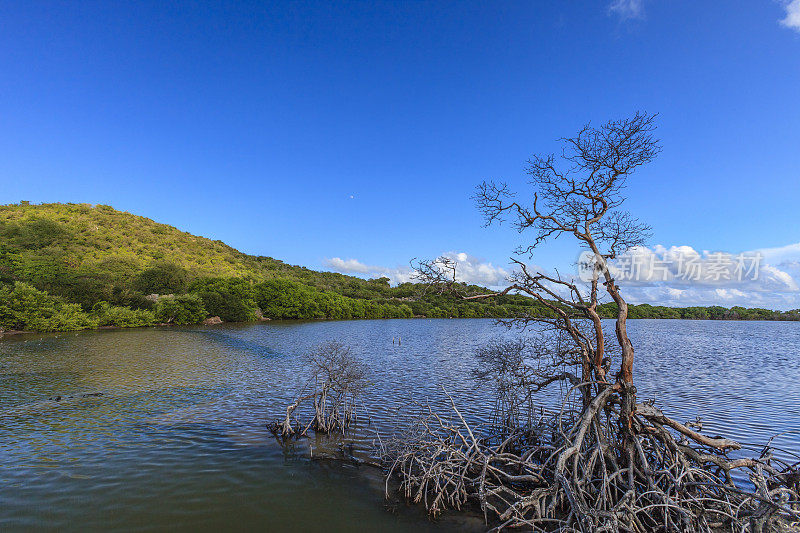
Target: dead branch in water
(580, 469)
(605, 462)
(542, 478)
(336, 381)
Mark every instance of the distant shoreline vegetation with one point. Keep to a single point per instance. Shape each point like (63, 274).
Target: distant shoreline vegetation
(67, 267)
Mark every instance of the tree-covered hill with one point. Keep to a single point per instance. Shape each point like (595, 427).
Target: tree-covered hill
(75, 266)
(71, 266)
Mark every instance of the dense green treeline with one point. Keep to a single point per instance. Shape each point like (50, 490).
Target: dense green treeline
(700, 313)
(76, 266)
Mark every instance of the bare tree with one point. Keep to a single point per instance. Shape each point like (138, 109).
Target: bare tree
(335, 383)
(613, 465)
(578, 194)
(516, 370)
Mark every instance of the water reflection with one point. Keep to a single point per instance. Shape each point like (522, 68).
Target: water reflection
(177, 439)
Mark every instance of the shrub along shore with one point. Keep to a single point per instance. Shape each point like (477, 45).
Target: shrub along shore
(67, 267)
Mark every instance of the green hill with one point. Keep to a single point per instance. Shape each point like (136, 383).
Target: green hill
(53, 256)
(75, 266)
(101, 242)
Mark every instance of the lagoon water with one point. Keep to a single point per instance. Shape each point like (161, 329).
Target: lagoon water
(177, 439)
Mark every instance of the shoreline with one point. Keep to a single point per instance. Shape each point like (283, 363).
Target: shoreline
(16, 332)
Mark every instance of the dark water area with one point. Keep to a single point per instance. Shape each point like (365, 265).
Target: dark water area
(177, 440)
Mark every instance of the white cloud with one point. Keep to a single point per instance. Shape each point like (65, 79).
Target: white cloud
(790, 252)
(674, 293)
(792, 19)
(354, 266)
(681, 276)
(476, 271)
(661, 276)
(699, 296)
(628, 9)
(470, 269)
(347, 265)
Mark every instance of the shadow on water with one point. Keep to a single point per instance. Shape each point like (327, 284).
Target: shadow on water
(232, 342)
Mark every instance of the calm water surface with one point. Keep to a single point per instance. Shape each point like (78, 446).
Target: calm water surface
(177, 441)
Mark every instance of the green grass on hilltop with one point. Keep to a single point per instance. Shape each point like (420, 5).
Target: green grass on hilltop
(101, 240)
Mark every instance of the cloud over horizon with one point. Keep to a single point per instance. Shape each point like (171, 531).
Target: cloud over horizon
(354, 266)
(471, 269)
(677, 276)
(681, 276)
(347, 265)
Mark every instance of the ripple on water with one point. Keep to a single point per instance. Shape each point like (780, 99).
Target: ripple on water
(178, 440)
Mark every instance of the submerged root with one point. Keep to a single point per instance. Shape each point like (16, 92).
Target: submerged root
(336, 381)
(588, 474)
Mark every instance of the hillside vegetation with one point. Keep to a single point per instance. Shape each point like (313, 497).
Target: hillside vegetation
(76, 266)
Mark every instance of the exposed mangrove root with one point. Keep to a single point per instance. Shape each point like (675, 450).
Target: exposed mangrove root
(336, 381)
(587, 474)
(604, 462)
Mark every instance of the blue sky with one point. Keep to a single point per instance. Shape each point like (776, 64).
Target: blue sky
(350, 135)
